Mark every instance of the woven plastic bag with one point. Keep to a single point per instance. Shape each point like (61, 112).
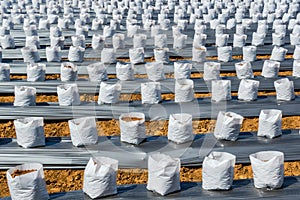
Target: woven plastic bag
(4, 72)
(68, 72)
(139, 40)
(100, 177)
(239, 40)
(161, 55)
(224, 53)
(53, 54)
(296, 68)
(268, 169)
(68, 95)
(27, 186)
(258, 39)
(180, 128)
(199, 54)
(97, 72)
(184, 90)
(109, 93)
(295, 39)
(36, 72)
(30, 132)
(108, 55)
(32, 41)
(160, 41)
(222, 40)
(244, 70)
(218, 171)
(269, 124)
(249, 53)
(7, 42)
(182, 70)
(296, 54)
(248, 90)
(199, 40)
(30, 54)
(220, 90)
(278, 53)
(83, 131)
(284, 89)
(151, 92)
(278, 39)
(118, 41)
(78, 41)
(57, 42)
(211, 71)
(76, 54)
(228, 126)
(136, 55)
(179, 41)
(132, 127)
(98, 42)
(125, 71)
(270, 69)
(155, 71)
(163, 174)
(25, 96)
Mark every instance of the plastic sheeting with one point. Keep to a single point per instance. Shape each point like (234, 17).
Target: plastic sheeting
(60, 153)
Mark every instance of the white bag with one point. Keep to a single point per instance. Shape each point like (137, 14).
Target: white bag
(155, 71)
(243, 70)
(108, 55)
(163, 174)
(270, 69)
(199, 40)
(136, 55)
(199, 54)
(30, 132)
(240, 29)
(160, 41)
(118, 41)
(151, 92)
(32, 41)
(218, 171)
(82, 30)
(78, 41)
(228, 126)
(231, 23)
(124, 72)
(97, 72)
(108, 31)
(132, 30)
(296, 68)
(182, 70)
(179, 41)
(98, 42)
(221, 90)
(184, 90)
(161, 55)
(268, 169)
(225, 53)
(96, 24)
(132, 127)
(211, 71)
(24, 96)
(63, 23)
(269, 124)
(44, 24)
(30, 54)
(57, 42)
(249, 53)
(180, 128)
(239, 40)
(7, 42)
(36, 72)
(100, 177)
(83, 131)
(248, 90)
(53, 54)
(222, 40)
(68, 95)
(278, 39)
(296, 54)
(278, 53)
(284, 89)
(109, 93)
(68, 72)
(258, 39)
(155, 30)
(30, 30)
(139, 40)
(76, 54)
(220, 29)
(27, 186)
(4, 72)
(295, 39)
(55, 31)
(262, 29)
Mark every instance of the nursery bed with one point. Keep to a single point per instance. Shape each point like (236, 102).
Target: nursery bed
(59, 152)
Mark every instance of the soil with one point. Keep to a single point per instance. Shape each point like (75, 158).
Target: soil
(21, 172)
(130, 119)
